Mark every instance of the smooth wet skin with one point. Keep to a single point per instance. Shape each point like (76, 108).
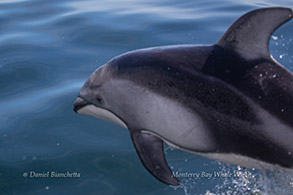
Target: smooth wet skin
(225, 101)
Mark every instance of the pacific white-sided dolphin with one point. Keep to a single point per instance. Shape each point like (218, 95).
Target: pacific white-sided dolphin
(230, 101)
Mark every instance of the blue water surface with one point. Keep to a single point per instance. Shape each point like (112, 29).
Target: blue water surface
(48, 48)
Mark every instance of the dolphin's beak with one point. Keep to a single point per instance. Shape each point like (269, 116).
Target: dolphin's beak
(79, 103)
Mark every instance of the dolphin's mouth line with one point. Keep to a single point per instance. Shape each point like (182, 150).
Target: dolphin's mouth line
(82, 102)
(79, 103)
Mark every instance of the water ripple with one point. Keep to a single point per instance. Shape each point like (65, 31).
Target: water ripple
(12, 1)
(33, 101)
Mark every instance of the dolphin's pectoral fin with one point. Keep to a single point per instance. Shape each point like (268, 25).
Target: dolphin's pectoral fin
(150, 150)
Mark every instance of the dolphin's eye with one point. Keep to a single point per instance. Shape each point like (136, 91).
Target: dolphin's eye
(99, 99)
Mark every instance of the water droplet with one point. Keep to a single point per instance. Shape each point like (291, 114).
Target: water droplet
(281, 56)
(47, 187)
(260, 75)
(58, 144)
(289, 153)
(259, 97)
(274, 76)
(283, 110)
(275, 37)
(113, 155)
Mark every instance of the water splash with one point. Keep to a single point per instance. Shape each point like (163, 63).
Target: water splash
(233, 181)
(281, 49)
(212, 177)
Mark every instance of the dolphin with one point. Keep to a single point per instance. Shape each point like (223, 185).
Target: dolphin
(231, 101)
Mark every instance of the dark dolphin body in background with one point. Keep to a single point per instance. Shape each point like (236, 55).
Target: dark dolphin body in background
(230, 101)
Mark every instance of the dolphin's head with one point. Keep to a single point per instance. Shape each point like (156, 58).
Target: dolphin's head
(95, 98)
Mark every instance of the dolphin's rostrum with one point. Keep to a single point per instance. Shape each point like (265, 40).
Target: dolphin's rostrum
(230, 101)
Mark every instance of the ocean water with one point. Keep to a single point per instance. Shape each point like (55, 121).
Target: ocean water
(50, 47)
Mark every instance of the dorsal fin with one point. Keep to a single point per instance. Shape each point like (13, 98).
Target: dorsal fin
(249, 36)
